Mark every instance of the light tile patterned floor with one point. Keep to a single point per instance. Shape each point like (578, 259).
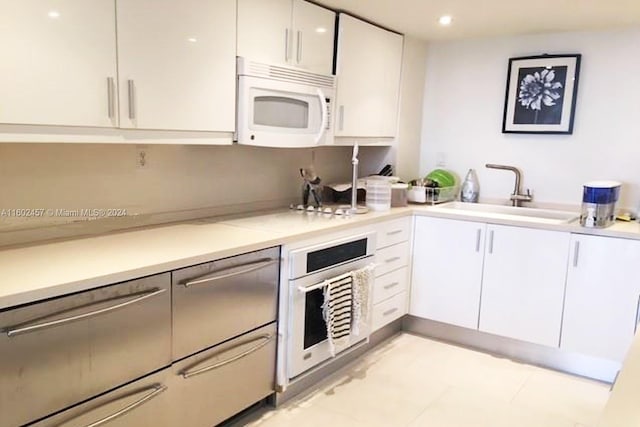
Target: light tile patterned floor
(413, 382)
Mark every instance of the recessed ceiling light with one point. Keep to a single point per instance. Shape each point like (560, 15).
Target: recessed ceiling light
(321, 30)
(54, 14)
(445, 20)
(192, 39)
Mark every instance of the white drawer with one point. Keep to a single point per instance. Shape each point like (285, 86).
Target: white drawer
(390, 284)
(392, 232)
(391, 258)
(389, 310)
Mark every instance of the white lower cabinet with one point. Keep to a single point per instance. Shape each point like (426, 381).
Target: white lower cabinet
(390, 296)
(447, 270)
(602, 298)
(523, 283)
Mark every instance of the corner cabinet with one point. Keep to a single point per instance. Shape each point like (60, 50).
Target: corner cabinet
(602, 299)
(176, 64)
(447, 270)
(287, 32)
(523, 283)
(368, 66)
(58, 62)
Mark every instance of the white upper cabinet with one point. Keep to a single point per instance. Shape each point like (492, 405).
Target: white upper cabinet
(447, 270)
(523, 283)
(288, 32)
(602, 299)
(369, 62)
(58, 62)
(176, 63)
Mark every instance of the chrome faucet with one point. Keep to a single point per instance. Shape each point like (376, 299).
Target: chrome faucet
(517, 197)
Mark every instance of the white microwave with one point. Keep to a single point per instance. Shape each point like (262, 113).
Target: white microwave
(282, 106)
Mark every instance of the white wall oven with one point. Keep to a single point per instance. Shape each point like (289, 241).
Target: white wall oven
(309, 267)
(281, 106)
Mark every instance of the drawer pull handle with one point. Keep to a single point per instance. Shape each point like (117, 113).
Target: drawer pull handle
(156, 389)
(28, 327)
(391, 311)
(233, 271)
(394, 259)
(391, 233)
(266, 338)
(391, 285)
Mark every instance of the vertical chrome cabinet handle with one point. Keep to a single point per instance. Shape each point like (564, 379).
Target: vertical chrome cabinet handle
(341, 117)
(132, 99)
(491, 241)
(286, 45)
(576, 253)
(299, 52)
(478, 235)
(111, 87)
(635, 327)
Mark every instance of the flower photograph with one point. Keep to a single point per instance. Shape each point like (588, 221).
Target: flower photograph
(541, 94)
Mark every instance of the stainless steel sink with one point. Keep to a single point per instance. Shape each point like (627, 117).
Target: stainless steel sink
(546, 216)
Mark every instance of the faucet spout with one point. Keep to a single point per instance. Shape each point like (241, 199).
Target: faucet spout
(517, 197)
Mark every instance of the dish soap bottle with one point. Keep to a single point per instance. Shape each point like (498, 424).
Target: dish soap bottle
(470, 188)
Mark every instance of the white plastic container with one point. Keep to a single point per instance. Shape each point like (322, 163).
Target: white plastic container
(378, 194)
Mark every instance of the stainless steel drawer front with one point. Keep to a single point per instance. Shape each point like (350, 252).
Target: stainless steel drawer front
(145, 402)
(59, 352)
(222, 299)
(217, 383)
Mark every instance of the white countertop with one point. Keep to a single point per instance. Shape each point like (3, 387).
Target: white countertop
(52, 269)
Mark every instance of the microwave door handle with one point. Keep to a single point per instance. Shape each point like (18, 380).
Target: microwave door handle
(325, 114)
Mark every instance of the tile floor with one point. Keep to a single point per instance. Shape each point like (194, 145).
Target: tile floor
(411, 381)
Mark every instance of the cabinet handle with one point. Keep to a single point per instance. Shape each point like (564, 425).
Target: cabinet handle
(391, 233)
(576, 254)
(156, 389)
(111, 87)
(491, 241)
(341, 117)
(266, 338)
(635, 327)
(391, 311)
(478, 234)
(391, 285)
(131, 86)
(299, 52)
(33, 326)
(232, 271)
(287, 46)
(394, 259)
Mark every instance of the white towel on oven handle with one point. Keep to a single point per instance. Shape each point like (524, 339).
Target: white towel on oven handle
(337, 311)
(362, 285)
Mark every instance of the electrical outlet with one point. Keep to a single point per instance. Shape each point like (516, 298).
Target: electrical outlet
(441, 159)
(142, 157)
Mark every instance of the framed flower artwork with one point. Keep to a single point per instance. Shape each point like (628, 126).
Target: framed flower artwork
(541, 94)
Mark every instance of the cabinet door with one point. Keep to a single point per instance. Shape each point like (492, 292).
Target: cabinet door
(176, 62)
(264, 31)
(523, 283)
(58, 62)
(369, 61)
(314, 29)
(601, 306)
(447, 270)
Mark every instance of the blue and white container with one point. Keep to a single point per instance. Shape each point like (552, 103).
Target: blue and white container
(599, 203)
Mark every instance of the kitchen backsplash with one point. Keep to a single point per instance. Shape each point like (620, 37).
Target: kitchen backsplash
(178, 182)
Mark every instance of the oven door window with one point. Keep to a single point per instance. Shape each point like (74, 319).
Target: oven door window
(280, 112)
(315, 328)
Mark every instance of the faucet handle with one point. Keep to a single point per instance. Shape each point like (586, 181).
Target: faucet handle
(529, 192)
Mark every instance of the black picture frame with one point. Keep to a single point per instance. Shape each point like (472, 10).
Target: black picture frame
(541, 94)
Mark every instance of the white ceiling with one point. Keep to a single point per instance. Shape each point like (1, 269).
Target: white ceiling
(483, 18)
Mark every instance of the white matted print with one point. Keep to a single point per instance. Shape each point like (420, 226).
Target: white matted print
(541, 94)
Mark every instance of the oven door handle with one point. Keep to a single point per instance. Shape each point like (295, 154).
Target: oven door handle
(307, 289)
(232, 271)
